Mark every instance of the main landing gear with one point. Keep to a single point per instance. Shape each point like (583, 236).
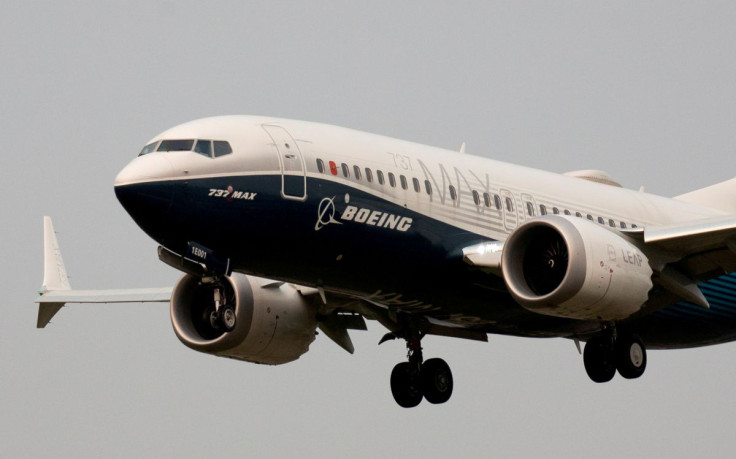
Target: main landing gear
(608, 351)
(223, 316)
(416, 379)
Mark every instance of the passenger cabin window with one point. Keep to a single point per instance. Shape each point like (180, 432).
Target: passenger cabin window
(203, 147)
(453, 193)
(148, 148)
(476, 198)
(222, 148)
(509, 205)
(356, 170)
(321, 166)
(497, 201)
(176, 145)
(404, 183)
(567, 212)
(542, 209)
(601, 221)
(368, 174)
(578, 214)
(623, 225)
(487, 199)
(611, 223)
(555, 211)
(589, 217)
(633, 225)
(379, 174)
(428, 187)
(392, 179)
(415, 182)
(345, 170)
(530, 209)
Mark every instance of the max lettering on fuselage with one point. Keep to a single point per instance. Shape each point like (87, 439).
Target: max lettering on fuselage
(231, 194)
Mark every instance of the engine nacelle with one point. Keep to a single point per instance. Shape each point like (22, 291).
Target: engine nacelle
(569, 267)
(274, 324)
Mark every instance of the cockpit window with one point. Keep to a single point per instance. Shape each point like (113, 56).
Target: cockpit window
(148, 148)
(208, 148)
(222, 148)
(203, 147)
(176, 145)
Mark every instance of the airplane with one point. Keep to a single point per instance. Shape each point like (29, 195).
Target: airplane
(283, 227)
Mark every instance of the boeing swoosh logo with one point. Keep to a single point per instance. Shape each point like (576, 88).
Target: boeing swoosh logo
(326, 213)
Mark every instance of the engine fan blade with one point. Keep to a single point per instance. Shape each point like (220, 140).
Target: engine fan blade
(545, 265)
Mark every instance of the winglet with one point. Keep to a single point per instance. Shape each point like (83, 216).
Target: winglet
(54, 273)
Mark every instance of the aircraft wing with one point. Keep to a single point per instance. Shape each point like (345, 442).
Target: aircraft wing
(57, 291)
(712, 232)
(701, 250)
(51, 301)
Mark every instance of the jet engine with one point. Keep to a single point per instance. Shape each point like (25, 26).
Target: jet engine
(274, 323)
(569, 267)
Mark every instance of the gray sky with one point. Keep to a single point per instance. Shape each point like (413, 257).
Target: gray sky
(643, 90)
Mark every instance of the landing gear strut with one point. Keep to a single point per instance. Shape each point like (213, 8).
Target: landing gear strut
(608, 351)
(223, 316)
(416, 379)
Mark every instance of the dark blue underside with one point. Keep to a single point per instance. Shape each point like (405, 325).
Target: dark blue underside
(419, 270)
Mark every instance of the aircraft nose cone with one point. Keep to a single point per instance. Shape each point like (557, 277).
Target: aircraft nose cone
(144, 191)
(145, 168)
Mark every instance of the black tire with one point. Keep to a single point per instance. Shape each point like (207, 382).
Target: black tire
(631, 356)
(227, 318)
(436, 381)
(214, 320)
(404, 385)
(599, 359)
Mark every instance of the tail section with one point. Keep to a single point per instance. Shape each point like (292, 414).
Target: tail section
(721, 196)
(54, 274)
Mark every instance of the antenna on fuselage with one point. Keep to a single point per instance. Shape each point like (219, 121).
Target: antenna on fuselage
(462, 148)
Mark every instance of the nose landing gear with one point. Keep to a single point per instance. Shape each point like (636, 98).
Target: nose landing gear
(416, 379)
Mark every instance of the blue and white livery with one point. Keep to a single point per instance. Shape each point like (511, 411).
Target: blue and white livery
(282, 227)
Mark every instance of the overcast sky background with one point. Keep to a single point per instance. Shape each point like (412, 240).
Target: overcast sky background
(643, 90)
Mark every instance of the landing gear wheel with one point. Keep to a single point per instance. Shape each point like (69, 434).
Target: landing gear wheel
(405, 385)
(214, 320)
(436, 381)
(631, 356)
(599, 359)
(227, 318)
